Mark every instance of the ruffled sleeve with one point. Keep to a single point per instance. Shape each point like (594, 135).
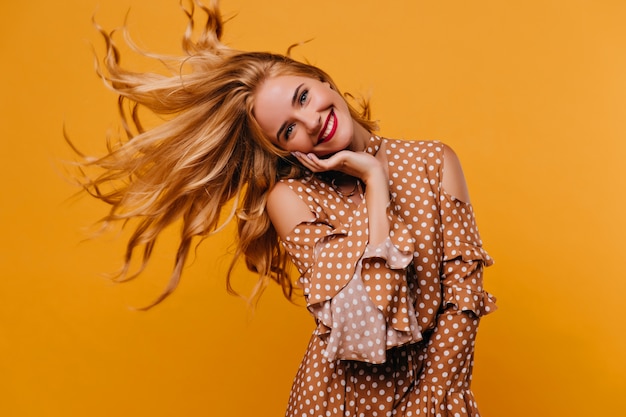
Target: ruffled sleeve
(444, 384)
(325, 256)
(384, 273)
(464, 259)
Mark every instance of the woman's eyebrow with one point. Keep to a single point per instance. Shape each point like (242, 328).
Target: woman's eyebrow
(295, 94)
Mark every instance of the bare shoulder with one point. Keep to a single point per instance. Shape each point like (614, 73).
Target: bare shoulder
(453, 180)
(286, 210)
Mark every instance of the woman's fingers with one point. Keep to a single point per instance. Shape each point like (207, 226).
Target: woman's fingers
(357, 164)
(315, 164)
(307, 161)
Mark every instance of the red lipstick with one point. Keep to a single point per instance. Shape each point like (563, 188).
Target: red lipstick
(329, 128)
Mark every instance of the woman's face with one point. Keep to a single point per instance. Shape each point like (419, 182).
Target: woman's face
(303, 114)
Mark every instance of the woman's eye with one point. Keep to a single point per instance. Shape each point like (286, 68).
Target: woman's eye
(304, 96)
(289, 131)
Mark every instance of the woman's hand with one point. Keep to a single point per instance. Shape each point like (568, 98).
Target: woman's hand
(372, 170)
(360, 165)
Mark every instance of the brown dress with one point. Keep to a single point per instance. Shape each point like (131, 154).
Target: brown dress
(396, 322)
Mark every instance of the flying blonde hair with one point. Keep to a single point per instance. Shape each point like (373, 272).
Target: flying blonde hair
(208, 152)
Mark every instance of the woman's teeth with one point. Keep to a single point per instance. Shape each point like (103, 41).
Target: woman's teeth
(329, 127)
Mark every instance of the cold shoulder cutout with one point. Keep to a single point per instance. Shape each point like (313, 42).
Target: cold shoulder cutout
(453, 181)
(286, 209)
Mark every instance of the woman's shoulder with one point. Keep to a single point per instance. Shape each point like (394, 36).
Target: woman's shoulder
(286, 209)
(406, 153)
(438, 162)
(415, 147)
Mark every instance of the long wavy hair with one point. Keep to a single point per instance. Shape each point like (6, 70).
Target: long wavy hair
(208, 151)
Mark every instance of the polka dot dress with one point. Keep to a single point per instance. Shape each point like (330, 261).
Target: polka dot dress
(396, 322)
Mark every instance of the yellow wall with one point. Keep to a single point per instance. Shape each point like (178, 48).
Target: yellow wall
(531, 94)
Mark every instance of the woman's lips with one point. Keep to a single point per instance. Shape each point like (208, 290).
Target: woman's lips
(329, 129)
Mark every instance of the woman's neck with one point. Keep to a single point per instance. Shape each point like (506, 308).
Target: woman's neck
(360, 138)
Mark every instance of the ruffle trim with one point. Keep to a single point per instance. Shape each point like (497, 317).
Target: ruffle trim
(435, 401)
(465, 299)
(337, 251)
(466, 293)
(466, 251)
(352, 323)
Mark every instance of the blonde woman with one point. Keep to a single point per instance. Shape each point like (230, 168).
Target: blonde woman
(381, 231)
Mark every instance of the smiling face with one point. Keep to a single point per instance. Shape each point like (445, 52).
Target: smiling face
(303, 114)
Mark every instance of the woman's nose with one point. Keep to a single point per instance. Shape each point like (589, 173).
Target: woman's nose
(312, 121)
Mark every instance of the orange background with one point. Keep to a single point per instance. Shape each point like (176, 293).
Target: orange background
(532, 95)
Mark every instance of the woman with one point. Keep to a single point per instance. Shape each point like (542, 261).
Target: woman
(381, 231)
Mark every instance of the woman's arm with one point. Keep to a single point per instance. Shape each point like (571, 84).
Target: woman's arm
(286, 210)
(377, 200)
(448, 363)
